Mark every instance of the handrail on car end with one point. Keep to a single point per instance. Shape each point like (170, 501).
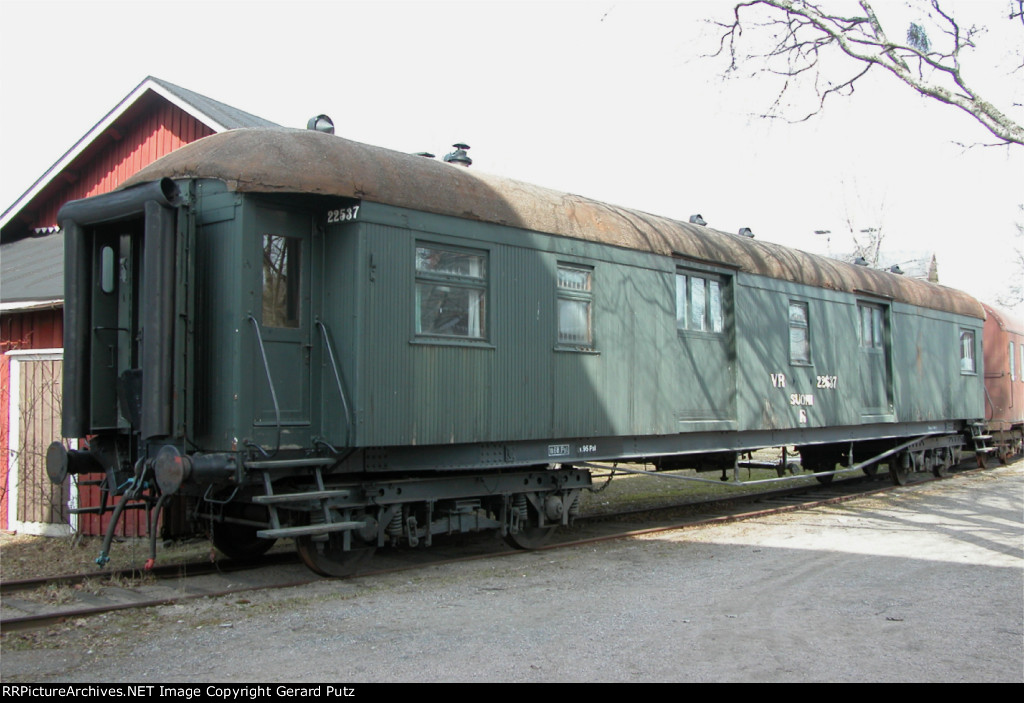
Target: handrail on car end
(337, 377)
(270, 382)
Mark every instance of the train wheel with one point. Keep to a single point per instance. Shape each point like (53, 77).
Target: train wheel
(900, 468)
(792, 468)
(237, 541)
(943, 462)
(530, 537)
(329, 557)
(871, 470)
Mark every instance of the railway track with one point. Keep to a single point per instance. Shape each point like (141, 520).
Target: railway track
(38, 603)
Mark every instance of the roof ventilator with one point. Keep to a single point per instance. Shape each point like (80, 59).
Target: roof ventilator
(746, 232)
(321, 123)
(459, 156)
(697, 220)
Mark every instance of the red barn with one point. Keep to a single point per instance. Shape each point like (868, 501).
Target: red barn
(154, 119)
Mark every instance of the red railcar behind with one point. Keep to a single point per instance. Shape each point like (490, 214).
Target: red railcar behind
(1003, 345)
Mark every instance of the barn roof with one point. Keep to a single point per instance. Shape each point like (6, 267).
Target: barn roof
(303, 161)
(27, 271)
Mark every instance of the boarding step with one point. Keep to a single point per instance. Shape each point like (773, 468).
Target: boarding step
(271, 464)
(984, 450)
(300, 497)
(302, 530)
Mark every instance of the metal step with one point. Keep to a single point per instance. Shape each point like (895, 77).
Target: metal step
(321, 529)
(300, 497)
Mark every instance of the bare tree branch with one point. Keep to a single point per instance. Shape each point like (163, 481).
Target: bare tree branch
(803, 35)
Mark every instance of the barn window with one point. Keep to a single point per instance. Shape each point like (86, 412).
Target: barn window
(575, 306)
(281, 257)
(966, 351)
(699, 306)
(799, 333)
(451, 292)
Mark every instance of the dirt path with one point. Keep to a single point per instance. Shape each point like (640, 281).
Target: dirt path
(925, 584)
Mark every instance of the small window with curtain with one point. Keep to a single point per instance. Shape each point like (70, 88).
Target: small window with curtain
(575, 306)
(967, 352)
(799, 334)
(281, 258)
(451, 292)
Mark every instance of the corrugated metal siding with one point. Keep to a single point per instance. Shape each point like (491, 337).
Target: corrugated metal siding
(385, 395)
(523, 310)
(152, 129)
(516, 383)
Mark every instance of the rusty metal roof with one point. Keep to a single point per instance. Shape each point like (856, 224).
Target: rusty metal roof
(1006, 321)
(303, 161)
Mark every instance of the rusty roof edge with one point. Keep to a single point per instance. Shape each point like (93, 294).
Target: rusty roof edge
(1006, 321)
(303, 161)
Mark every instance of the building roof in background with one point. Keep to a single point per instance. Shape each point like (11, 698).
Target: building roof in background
(216, 115)
(31, 270)
(32, 267)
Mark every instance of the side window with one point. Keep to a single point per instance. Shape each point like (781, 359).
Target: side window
(575, 305)
(699, 306)
(799, 333)
(967, 351)
(871, 327)
(451, 292)
(108, 274)
(281, 259)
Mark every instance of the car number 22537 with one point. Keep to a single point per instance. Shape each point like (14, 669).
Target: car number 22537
(342, 215)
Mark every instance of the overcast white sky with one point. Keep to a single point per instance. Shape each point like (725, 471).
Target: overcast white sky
(610, 100)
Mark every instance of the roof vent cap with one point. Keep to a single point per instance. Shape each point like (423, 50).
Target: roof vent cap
(459, 156)
(697, 220)
(321, 123)
(746, 232)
